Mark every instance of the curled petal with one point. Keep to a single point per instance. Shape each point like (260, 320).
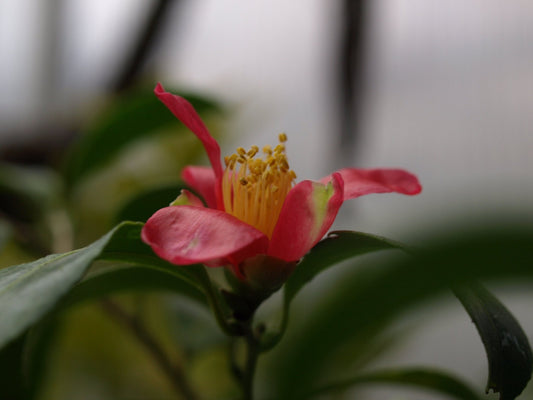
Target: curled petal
(308, 212)
(203, 181)
(358, 182)
(187, 235)
(185, 112)
(186, 198)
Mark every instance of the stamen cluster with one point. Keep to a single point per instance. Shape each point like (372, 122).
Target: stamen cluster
(254, 189)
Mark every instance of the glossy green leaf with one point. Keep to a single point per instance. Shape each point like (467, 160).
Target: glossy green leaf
(370, 297)
(127, 278)
(337, 247)
(130, 117)
(28, 291)
(506, 344)
(434, 380)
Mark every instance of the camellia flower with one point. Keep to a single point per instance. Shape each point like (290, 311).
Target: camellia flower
(257, 220)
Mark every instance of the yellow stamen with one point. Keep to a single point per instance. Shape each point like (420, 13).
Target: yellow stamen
(253, 151)
(254, 189)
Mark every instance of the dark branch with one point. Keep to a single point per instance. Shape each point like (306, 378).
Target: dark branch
(147, 37)
(174, 371)
(351, 70)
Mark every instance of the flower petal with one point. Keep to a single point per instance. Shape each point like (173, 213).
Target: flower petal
(203, 181)
(358, 182)
(188, 235)
(308, 211)
(185, 112)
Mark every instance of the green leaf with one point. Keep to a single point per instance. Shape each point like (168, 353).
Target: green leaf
(127, 278)
(337, 247)
(506, 344)
(29, 291)
(371, 297)
(423, 378)
(130, 117)
(141, 207)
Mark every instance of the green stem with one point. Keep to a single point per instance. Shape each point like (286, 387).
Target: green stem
(216, 306)
(252, 355)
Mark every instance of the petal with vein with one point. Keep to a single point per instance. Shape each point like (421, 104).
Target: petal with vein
(187, 235)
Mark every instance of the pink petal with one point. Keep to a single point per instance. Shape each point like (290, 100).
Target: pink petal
(185, 112)
(188, 235)
(203, 181)
(358, 182)
(186, 198)
(308, 212)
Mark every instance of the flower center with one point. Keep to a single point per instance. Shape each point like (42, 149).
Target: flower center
(254, 189)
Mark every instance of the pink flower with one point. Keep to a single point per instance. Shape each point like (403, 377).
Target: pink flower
(256, 215)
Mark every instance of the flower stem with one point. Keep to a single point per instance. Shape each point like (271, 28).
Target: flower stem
(173, 370)
(250, 365)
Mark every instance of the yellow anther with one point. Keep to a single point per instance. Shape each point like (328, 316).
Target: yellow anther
(254, 189)
(230, 161)
(253, 151)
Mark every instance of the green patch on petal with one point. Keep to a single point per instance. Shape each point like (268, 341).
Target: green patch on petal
(181, 200)
(320, 198)
(186, 198)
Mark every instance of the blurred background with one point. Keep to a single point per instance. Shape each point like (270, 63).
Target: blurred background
(442, 89)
